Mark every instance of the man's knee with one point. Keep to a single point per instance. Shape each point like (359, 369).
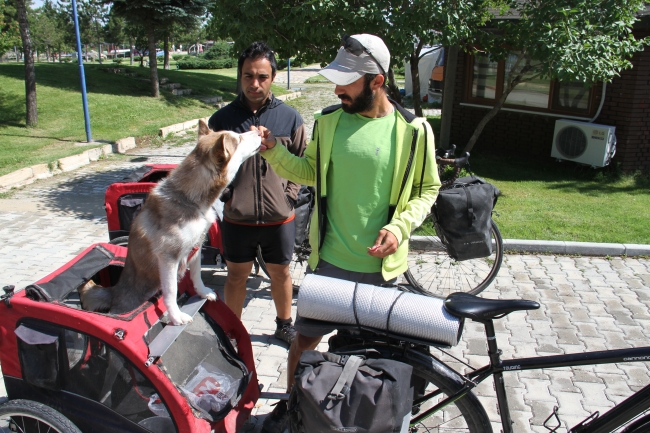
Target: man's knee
(303, 342)
(238, 272)
(278, 271)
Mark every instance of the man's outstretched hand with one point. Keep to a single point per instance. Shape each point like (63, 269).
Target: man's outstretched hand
(385, 244)
(268, 140)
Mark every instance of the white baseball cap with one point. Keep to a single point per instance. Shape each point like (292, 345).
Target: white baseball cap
(359, 55)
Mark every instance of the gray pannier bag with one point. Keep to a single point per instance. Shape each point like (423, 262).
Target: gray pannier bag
(463, 217)
(349, 393)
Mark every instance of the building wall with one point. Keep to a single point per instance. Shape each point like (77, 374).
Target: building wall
(627, 106)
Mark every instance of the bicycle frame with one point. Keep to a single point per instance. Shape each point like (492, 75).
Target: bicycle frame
(620, 414)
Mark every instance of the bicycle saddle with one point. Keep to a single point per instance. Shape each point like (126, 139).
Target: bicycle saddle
(481, 309)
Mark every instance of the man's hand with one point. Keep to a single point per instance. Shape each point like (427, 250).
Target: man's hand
(268, 140)
(385, 244)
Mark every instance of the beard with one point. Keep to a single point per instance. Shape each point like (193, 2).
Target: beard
(363, 102)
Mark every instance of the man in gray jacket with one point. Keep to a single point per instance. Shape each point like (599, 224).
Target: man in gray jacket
(259, 204)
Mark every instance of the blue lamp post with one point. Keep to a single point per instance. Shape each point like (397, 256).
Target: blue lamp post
(84, 97)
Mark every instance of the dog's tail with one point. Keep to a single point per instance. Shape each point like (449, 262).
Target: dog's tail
(94, 297)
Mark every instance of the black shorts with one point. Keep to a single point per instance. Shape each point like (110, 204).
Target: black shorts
(240, 242)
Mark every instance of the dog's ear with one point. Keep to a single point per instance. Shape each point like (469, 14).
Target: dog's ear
(203, 128)
(229, 145)
(224, 148)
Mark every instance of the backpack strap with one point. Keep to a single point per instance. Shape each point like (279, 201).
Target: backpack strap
(470, 208)
(342, 385)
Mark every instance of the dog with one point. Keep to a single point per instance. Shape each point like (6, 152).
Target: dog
(173, 221)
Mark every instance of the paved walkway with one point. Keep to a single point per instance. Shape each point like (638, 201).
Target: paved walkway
(587, 303)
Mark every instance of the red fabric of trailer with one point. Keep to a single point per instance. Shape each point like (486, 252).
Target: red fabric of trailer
(53, 303)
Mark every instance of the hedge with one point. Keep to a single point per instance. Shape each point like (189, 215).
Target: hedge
(194, 63)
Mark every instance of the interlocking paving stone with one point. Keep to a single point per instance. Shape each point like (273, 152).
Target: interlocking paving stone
(587, 303)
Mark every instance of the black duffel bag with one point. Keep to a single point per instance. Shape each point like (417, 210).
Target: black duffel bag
(350, 393)
(463, 217)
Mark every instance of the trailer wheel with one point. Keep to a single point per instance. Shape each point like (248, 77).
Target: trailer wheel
(27, 416)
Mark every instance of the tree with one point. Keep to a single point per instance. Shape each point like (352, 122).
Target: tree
(405, 27)
(158, 15)
(568, 40)
(30, 73)
(45, 29)
(9, 28)
(93, 14)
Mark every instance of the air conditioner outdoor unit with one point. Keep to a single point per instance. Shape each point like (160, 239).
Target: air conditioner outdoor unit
(586, 143)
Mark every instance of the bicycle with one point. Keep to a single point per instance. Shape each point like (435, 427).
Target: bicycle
(448, 403)
(431, 270)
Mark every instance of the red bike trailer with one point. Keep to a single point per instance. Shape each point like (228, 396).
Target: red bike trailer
(124, 373)
(123, 201)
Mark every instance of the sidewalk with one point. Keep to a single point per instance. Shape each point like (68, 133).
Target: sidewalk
(588, 303)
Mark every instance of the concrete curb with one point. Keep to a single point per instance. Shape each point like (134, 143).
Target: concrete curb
(552, 247)
(28, 175)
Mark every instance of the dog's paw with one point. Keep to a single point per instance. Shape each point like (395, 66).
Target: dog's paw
(207, 294)
(179, 318)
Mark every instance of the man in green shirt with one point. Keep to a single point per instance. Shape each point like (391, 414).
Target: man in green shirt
(376, 179)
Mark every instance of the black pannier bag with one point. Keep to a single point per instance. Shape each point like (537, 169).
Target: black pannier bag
(304, 208)
(463, 217)
(350, 393)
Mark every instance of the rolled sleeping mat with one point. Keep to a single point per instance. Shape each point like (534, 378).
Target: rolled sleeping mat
(383, 308)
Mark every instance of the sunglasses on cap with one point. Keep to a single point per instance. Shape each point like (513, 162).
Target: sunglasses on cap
(355, 47)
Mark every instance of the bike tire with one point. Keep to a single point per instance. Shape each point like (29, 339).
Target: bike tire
(641, 425)
(466, 415)
(260, 264)
(433, 272)
(122, 241)
(297, 266)
(31, 416)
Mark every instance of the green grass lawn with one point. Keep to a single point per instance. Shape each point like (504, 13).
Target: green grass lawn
(119, 107)
(546, 200)
(553, 201)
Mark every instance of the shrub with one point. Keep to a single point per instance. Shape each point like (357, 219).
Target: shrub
(220, 50)
(282, 63)
(178, 57)
(199, 63)
(118, 61)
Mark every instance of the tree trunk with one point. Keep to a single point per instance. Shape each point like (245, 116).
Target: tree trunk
(511, 83)
(415, 84)
(490, 114)
(99, 54)
(131, 50)
(47, 53)
(153, 65)
(415, 79)
(393, 88)
(448, 92)
(166, 48)
(30, 74)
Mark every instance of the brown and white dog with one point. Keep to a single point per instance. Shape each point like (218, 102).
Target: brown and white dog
(173, 221)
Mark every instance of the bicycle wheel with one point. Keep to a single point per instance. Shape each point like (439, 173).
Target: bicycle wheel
(431, 271)
(26, 416)
(297, 267)
(122, 241)
(260, 264)
(465, 415)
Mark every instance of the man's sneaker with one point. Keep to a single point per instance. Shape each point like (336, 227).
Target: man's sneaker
(278, 420)
(286, 333)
